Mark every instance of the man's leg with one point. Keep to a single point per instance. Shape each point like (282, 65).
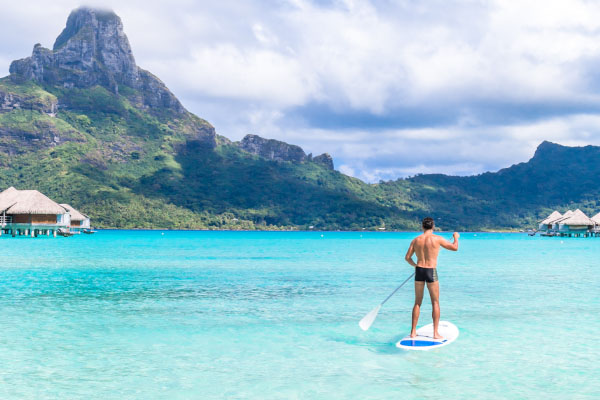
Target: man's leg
(419, 288)
(434, 293)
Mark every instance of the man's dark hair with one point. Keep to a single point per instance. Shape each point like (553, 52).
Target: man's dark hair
(428, 223)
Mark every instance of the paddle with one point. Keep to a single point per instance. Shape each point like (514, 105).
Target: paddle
(368, 319)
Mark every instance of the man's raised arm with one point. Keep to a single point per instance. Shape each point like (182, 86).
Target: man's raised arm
(451, 246)
(409, 254)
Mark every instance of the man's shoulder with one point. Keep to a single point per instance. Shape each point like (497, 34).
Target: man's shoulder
(439, 238)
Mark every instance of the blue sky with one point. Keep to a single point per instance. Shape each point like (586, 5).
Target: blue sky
(389, 88)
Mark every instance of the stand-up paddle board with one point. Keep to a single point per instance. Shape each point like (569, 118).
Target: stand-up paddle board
(424, 339)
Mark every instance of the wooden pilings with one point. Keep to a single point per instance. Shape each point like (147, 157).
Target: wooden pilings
(28, 232)
(577, 234)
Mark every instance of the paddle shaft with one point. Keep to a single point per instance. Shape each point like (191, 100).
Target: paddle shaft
(395, 290)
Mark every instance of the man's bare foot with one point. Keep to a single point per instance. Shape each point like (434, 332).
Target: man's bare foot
(413, 334)
(437, 336)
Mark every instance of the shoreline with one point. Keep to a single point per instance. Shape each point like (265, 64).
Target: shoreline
(287, 231)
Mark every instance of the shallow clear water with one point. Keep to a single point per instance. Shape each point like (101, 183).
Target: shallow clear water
(186, 315)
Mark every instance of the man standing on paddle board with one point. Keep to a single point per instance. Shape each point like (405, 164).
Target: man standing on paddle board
(427, 247)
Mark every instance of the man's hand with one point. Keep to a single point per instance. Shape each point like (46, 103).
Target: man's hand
(451, 246)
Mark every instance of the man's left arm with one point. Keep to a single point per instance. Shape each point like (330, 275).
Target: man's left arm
(409, 254)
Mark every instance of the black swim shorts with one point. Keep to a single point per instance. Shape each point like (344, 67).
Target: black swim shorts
(426, 275)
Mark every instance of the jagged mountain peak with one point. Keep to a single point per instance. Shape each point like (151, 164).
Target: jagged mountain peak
(272, 149)
(91, 19)
(92, 50)
(549, 152)
(96, 36)
(324, 159)
(277, 150)
(546, 148)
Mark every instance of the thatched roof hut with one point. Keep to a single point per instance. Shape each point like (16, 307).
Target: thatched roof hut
(32, 202)
(546, 223)
(578, 219)
(566, 215)
(75, 215)
(596, 219)
(551, 218)
(8, 198)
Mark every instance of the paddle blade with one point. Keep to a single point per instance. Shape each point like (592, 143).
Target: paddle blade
(368, 319)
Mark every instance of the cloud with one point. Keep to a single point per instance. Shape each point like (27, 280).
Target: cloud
(456, 151)
(225, 71)
(388, 88)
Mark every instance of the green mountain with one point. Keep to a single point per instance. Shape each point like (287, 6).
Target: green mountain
(557, 177)
(84, 124)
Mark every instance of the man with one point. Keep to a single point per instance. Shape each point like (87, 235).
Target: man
(427, 247)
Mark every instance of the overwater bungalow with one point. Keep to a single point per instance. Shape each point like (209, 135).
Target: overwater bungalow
(596, 219)
(578, 224)
(546, 224)
(29, 212)
(79, 221)
(556, 223)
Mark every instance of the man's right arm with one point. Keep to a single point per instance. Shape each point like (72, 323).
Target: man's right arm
(409, 254)
(451, 246)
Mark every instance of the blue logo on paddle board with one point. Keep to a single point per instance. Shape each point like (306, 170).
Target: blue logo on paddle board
(420, 343)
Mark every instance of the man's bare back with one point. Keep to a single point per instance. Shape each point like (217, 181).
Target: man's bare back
(427, 248)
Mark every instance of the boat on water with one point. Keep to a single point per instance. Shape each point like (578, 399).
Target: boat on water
(64, 232)
(89, 231)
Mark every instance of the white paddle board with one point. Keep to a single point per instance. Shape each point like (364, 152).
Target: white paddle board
(424, 339)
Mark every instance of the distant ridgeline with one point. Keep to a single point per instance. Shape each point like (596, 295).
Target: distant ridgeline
(82, 122)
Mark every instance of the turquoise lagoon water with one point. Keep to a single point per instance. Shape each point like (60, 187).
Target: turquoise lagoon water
(251, 315)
